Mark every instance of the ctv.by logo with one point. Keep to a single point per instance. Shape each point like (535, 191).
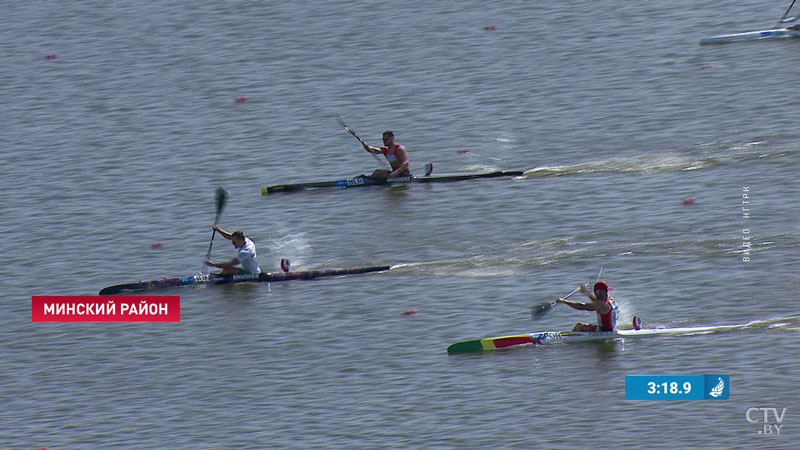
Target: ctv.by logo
(762, 415)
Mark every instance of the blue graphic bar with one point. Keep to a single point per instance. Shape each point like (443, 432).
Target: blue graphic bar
(677, 387)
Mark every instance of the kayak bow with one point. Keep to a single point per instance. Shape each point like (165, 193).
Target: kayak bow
(778, 33)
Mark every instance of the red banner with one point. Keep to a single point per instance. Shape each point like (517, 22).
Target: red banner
(105, 309)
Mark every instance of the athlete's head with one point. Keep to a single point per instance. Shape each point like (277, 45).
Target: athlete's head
(601, 287)
(237, 238)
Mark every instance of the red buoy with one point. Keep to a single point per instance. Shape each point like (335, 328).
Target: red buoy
(156, 245)
(688, 201)
(240, 99)
(51, 56)
(408, 312)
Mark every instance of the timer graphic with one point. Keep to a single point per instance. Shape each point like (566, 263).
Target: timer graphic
(671, 387)
(677, 387)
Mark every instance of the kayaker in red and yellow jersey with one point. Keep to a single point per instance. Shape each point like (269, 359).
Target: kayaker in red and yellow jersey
(601, 303)
(395, 153)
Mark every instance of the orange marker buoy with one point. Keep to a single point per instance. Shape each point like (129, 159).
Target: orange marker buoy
(462, 150)
(688, 201)
(156, 245)
(240, 99)
(409, 312)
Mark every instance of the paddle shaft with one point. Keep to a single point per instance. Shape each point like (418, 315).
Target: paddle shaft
(542, 308)
(221, 198)
(780, 21)
(381, 161)
(213, 233)
(566, 296)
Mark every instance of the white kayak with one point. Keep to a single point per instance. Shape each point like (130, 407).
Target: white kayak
(554, 337)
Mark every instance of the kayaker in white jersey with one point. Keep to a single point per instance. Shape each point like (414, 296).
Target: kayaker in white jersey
(246, 260)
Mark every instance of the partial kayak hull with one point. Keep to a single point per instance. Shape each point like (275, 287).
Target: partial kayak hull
(777, 33)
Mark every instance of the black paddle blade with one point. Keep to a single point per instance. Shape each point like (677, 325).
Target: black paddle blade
(221, 198)
(538, 310)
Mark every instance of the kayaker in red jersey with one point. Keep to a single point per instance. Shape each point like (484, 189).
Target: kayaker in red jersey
(395, 153)
(601, 303)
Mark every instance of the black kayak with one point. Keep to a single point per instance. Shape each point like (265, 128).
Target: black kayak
(364, 180)
(246, 278)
